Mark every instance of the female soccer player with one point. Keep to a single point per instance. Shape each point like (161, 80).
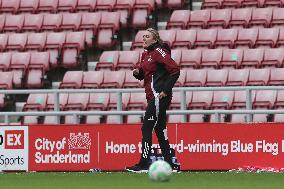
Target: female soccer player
(160, 72)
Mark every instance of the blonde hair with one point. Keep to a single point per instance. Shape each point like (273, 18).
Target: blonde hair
(155, 34)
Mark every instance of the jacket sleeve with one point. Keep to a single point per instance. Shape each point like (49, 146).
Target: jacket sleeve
(162, 56)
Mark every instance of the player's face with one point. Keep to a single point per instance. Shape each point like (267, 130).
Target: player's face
(148, 39)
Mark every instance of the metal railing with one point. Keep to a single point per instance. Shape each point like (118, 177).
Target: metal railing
(119, 111)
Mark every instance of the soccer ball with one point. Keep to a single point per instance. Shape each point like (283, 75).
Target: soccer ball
(160, 171)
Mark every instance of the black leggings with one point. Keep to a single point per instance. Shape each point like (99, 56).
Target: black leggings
(151, 122)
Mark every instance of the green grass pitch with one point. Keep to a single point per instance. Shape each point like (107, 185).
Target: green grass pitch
(122, 180)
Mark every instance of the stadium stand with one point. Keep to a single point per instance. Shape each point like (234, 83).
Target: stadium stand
(226, 43)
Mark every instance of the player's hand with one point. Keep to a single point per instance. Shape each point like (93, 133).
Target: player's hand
(162, 95)
(136, 71)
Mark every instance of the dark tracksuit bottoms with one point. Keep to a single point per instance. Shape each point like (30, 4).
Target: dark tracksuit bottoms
(155, 118)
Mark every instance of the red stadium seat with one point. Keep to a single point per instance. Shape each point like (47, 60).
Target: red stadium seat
(127, 59)
(14, 23)
(108, 28)
(86, 5)
(124, 7)
(72, 79)
(108, 60)
(261, 17)
(105, 5)
(222, 99)
(38, 67)
(238, 118)
(93, 119)
(178, 19)
(211, 4)
(273, 57)
(267, 37)
(231, 58)
(51, 22)
(226, 38)
(211, 58)
(36, 102)
(181, 79)
(198, 19)
(252, 3)
(115, 81)
(240, 18)
(131, 119)
(112, 119)
(239, 101)
(55, 40)
(113, 101)
(260, 118)
(47, 6)
(141, 10)
(184, 39)
(191, 58)
(98, 101)
(216, 77)
(30, 120)
(17, 41)
(131, 82)
(67, 5)
(36, 41)
(63, 97)
(175, 4)
(137, 101)
(19, 64)
(280, 42)
(90, 22)
(259, 76)
(246, 38)
(276, 77)
(70, 21)
(206, 38)
(138, 40)
(238, 77)
(277, 17)
(195, 78)
(175, 118)
(74, 44)
(28, 6)
(3, 41)
(168, 36)
(33, 22)
(231, 3)
(201, 100)
(77, 102)
(5, 61)
(219, 18)
(198, 118)
(264, 99)
(273, 3)
(2, 21)
(252, 58)
(6, 80)
(10, 6)
(279, 103)
(54, 43)
(176, 55)
(93, 79)
(175, 103)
